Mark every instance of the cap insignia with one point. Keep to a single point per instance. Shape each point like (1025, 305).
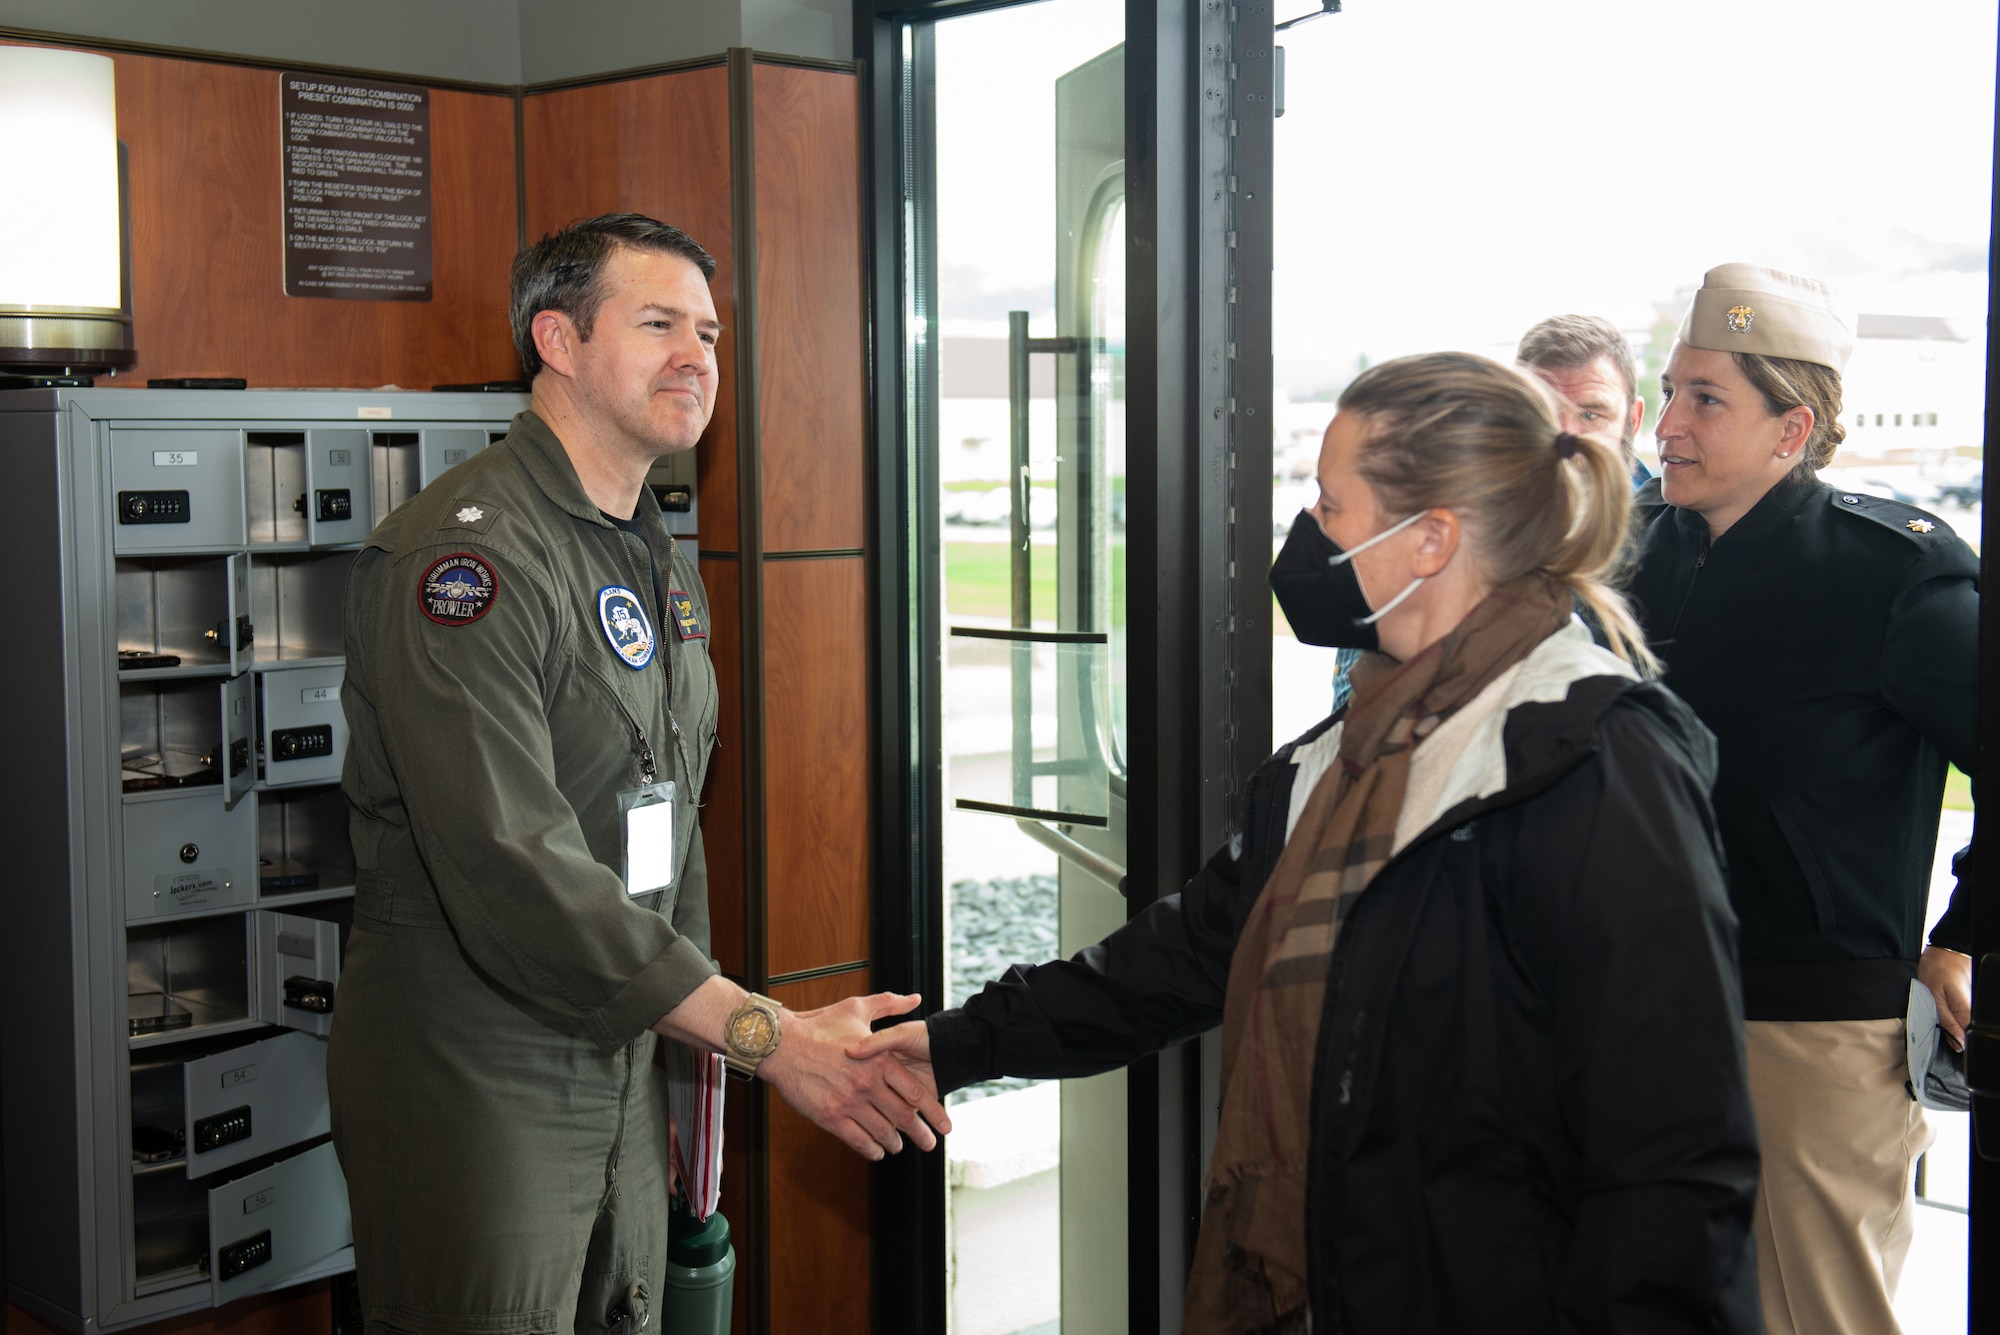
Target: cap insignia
(1739, 318)
(1920, 526)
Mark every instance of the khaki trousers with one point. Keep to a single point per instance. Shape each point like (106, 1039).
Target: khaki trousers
(1841, 1136)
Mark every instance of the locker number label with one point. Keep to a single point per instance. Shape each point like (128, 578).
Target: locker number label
(258, 1200)
(319, 695)
(176, 458)
(242, 1075)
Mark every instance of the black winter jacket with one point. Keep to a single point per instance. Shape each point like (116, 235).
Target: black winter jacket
(1529, 1109)
(1830, 640)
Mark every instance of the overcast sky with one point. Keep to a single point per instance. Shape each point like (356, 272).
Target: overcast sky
(1449, 171)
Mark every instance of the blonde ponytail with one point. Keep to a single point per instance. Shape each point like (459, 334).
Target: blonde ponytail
(1598, 484)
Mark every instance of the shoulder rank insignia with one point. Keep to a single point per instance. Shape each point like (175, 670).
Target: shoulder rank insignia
(1920, 526)
(687, 615)
(467, 515)
(626, 626)
(458, 589)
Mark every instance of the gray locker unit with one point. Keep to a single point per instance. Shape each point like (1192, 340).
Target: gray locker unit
(181, 880)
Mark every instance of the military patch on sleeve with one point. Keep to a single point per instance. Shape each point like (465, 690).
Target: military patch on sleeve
(458, 589)
(626, 626)
(687, 615)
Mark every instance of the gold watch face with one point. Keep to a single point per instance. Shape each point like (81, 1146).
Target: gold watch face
(752, 1033)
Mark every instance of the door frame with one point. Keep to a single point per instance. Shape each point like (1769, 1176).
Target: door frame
(1983, 1047)
(1198, 127)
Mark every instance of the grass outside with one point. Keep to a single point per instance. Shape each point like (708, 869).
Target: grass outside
(976, 579)
(1957, 791)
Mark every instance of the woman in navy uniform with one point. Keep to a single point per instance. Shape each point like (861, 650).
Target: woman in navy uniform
(1828, 639)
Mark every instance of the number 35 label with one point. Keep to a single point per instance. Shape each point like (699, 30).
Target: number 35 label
(175, 458)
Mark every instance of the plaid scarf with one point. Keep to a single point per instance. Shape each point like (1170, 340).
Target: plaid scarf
(1250, 1262)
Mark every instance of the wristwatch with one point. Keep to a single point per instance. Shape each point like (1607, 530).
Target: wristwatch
(751, 1035)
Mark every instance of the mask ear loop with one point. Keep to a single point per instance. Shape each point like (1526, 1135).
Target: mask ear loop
(1340, 558)
(1391, 605)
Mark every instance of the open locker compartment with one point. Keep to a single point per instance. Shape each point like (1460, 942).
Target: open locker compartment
(302, 842)
(295, 600)
(182, 977)
(259, 1229)
(306, 487)
(187, 612)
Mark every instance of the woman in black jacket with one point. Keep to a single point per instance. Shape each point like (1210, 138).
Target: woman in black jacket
(1829, 640)
(1472, 951)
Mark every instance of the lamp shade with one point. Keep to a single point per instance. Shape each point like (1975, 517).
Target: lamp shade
(61, 258)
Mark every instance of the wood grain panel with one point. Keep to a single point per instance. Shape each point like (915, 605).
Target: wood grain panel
(207, 260)
(305, 1310)
(657, 146)
(819, 1203)
(816, 789)
(811, 319)
(722, 810)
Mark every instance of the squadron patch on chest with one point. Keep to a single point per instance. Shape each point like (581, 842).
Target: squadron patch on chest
(687, 615)
(626, 626)
(458, 589)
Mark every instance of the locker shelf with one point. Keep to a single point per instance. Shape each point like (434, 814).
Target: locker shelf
(174, 673)
(219, 1022)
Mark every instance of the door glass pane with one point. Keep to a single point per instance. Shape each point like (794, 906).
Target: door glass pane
(1030, 446)
(1893, 209)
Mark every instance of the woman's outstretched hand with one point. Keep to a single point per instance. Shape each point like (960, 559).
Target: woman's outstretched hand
(910, 1044)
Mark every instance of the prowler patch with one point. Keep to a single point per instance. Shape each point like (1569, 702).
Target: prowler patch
(458, 590)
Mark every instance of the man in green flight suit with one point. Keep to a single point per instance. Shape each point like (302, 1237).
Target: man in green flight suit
(532, 710)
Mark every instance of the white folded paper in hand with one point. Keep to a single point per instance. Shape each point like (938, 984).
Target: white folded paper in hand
(694, 1096)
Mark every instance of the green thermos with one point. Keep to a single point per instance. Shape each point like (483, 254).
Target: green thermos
(701, 1269)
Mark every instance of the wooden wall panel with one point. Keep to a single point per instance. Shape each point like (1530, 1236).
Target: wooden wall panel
(657, 146)
(722, 812)
(819, 1203)
(811, 316)
(816, 785)
(208, 293)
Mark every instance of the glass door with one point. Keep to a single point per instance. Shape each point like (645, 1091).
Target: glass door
(1029, 304)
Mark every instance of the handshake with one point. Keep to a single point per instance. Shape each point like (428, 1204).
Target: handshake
(869, 1089)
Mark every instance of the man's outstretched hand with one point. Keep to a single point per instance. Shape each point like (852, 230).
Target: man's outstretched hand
(870, 1102)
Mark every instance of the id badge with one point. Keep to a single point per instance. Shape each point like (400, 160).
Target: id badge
(648, 817)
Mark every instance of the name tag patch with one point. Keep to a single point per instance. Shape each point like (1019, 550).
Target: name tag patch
(687, 616)
(626, 627)
(458, 590)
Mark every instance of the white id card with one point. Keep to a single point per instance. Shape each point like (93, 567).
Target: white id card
(649, 837)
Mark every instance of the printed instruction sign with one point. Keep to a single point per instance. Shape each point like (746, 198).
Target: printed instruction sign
(357, 188)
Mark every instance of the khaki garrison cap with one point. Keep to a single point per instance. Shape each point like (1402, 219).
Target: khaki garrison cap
(1749, 308)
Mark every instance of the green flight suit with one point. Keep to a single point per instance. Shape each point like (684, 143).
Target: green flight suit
(496, 1107)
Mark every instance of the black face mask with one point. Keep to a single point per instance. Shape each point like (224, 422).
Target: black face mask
(1319, 592)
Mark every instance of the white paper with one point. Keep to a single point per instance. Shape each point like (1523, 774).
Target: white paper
(649, 848)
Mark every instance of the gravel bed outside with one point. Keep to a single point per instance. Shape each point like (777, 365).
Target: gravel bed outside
(994, 924)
